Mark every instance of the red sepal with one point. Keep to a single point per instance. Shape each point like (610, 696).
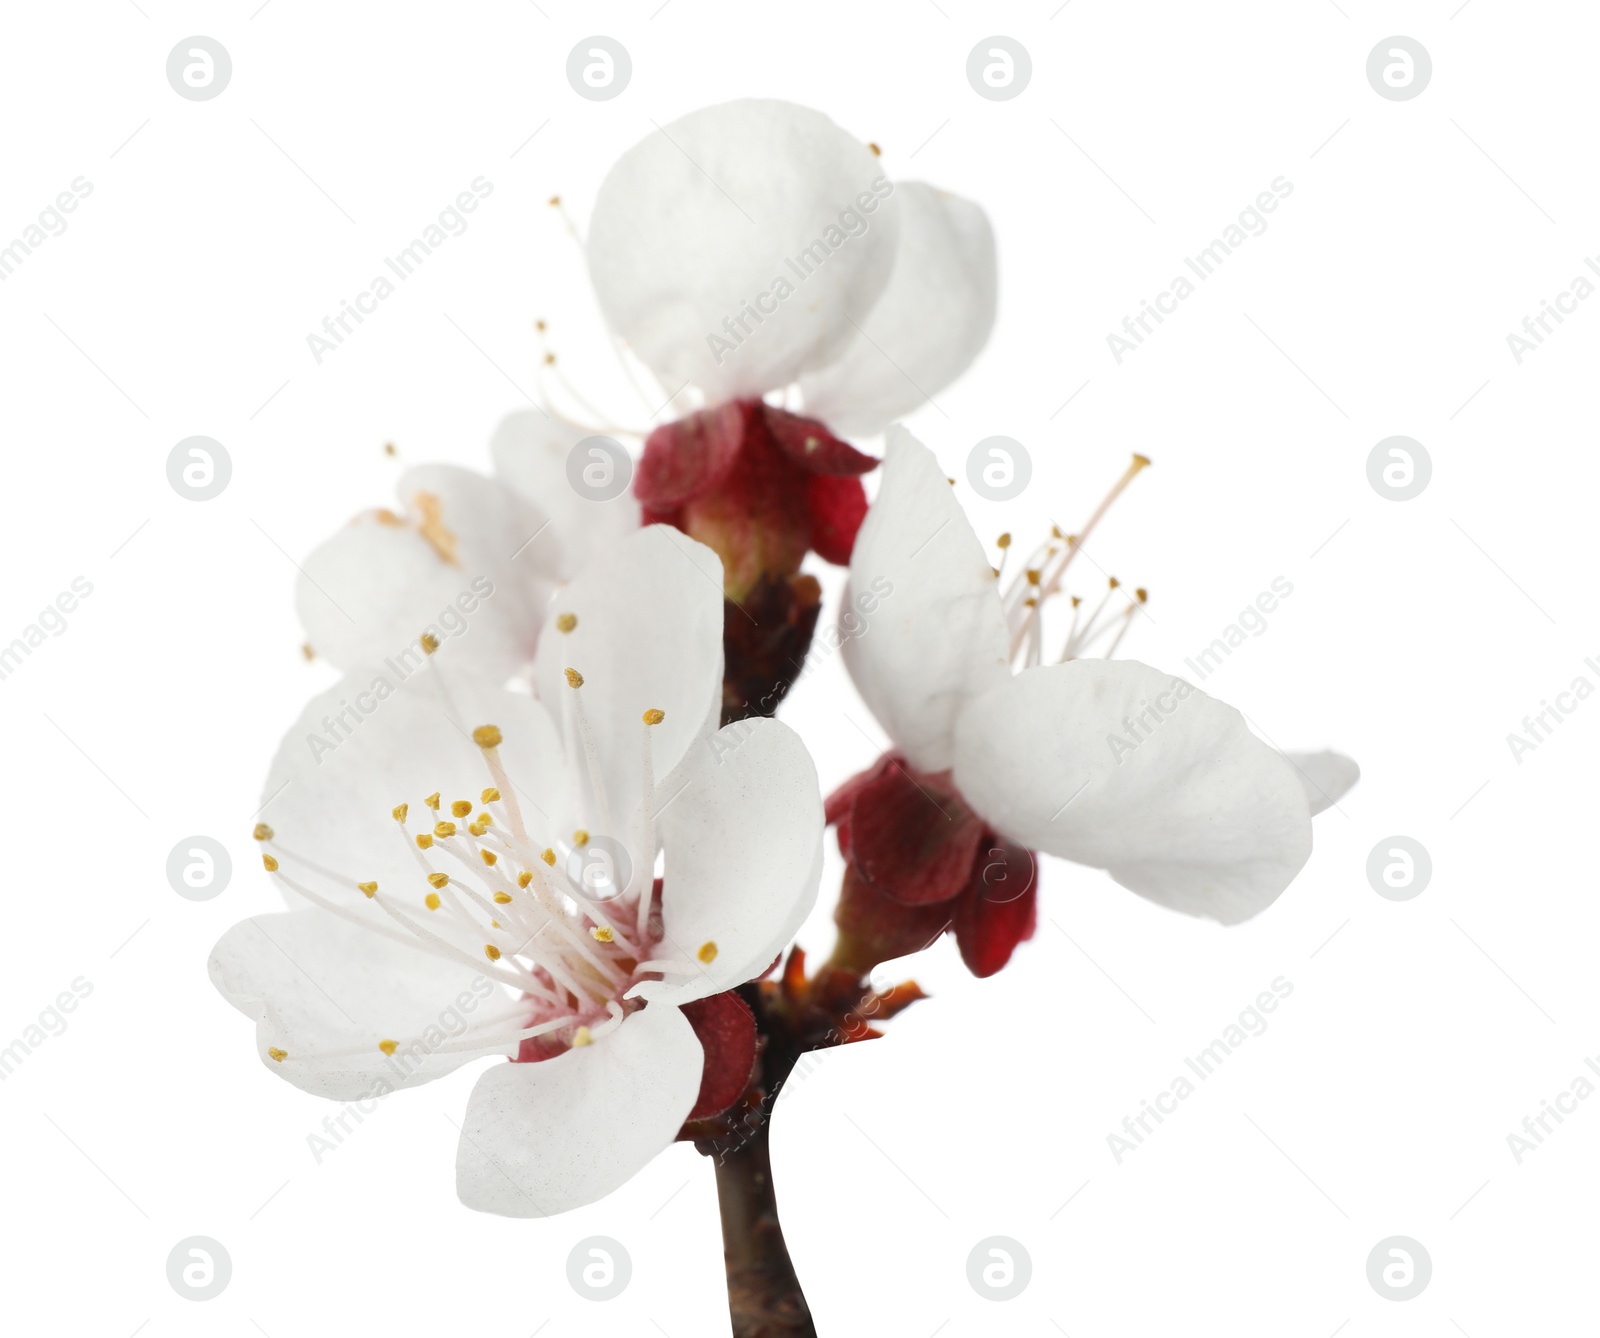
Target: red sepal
(727, 1031)
(810, 445)
(684, 459)
(912, 836)
(999, 909)
(838, 506)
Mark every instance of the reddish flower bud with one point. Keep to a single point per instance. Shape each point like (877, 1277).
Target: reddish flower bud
(919, 862)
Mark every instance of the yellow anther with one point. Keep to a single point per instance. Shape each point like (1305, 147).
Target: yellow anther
(1076, 600)
(708, 952)
(574, 678)
(1141, 461)
(495, 924)
(1033, 575)
(1030, 602)
(398, 813)
(460, 808)
(269, 864)
(262, 832)
(477, 828)
(424, 840)
(549, 856)
(602, 933)
(581, 1037)
(432, 801)
(438, 879)
(487, 736)
(305, 649)
(1141, 594)
(430, 643)
(524, 878)
(502, 898)
(369, 888)
(1004, 541)
(489, 796)
(876, 151)
(488, 857)
(388, 1047)
(484, 820)
(565, 622)
(1055, 532)
(431, 901)
(580, 838)
(491, 952)
(654, 717)
(389, 448)
(277, 1054)
(1115, 582)
(444, 829)
(555, 202)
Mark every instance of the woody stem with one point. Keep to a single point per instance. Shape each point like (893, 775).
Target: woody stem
(765, 1299)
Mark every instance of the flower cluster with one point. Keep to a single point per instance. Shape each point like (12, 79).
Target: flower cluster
(548, 831)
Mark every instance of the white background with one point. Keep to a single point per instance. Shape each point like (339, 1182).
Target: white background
(1418, 1034)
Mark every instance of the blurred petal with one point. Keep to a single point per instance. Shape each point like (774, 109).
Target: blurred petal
(393, 736)
(326, 992)
(1326, 777)
(938, 635)
(450, 566)
(541, 1139)
(748, 207)
(530, 451)
(741, 832)
(1119, 766)
(930, 323)
(648, 636)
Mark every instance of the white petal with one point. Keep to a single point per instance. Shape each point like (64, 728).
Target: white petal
(1187, 808)
(938, 634)
(327, 992)
(530, 451)
(648, 637)
(742, 836)
(930, 323)
(1326, 777)
(382, 739)
(371, 590)
(541, 1139)
(721, 209)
